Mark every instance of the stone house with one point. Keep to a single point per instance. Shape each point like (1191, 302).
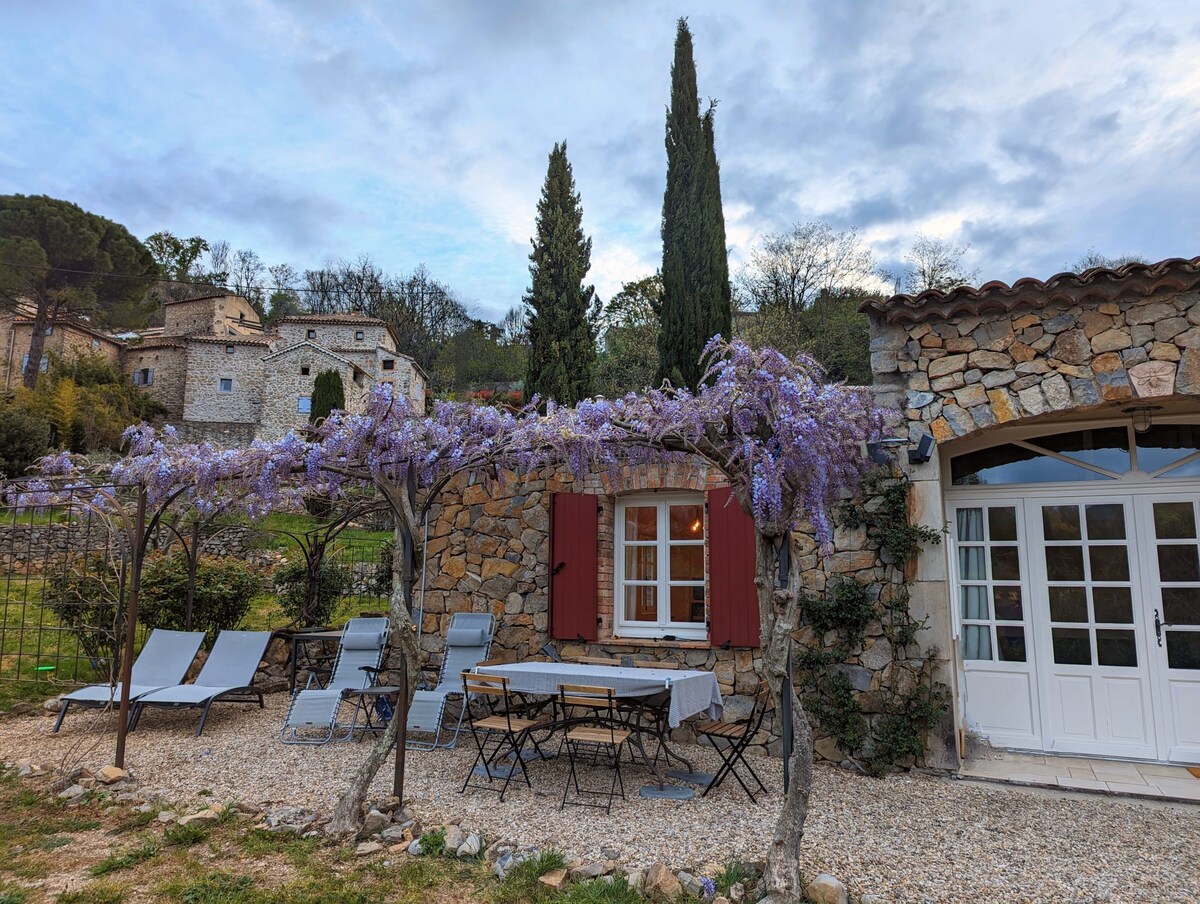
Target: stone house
(1051, 432)
(66, 338)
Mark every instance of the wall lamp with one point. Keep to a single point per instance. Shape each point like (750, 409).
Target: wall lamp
(1142, 416)
(878, 451)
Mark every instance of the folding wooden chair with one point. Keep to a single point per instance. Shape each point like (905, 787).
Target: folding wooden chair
(501, 731)
(601, 732)
(730, 740)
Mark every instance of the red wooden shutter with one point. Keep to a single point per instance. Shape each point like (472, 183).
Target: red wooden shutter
(733, 610)
(574, 566)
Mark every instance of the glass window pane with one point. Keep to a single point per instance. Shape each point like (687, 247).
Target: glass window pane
(1071, 646)
(970, 563)
(1116, 648)
(1008, 603)
(1010, 643)
(1190, 469)
(687, 604)
(687, 563)
(1068, 604)
(977, 642)
(641, 603)
(1165, 443)
(641, 563)
(1183, 649)
(1181, 605)
(1109, 563)
(1060, 522)
(1064, 563)
(974, 602)
(1002, 523)
(1106, 448)
(687, 522)
(1178, 563)
(1113, 605)
(641, 522)
(1014, 464)
(1005, 566)
(1106, 522)
(1174, 520)
(970, 525)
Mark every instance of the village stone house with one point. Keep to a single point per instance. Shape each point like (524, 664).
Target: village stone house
(222, 375)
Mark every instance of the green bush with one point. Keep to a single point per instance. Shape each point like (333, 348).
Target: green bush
(24, 438)
(309, 603)
(84, 596)
(224, 588)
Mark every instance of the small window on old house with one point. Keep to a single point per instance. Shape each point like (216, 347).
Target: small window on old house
(225, 384)
(389, 364)
(229, 349)
(49, 329)
(311, 334)
(143, 376)
(305, 371)
(304, 404)
(95, 344)
(358, 335)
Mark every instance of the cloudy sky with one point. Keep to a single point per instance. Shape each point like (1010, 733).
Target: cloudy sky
(418, 132)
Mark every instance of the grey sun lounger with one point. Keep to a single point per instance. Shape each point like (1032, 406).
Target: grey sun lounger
(227, 676)
(468, 640)
(316, 709)
(163, 662)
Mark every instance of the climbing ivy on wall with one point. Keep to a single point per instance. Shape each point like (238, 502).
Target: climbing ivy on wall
(888, 726)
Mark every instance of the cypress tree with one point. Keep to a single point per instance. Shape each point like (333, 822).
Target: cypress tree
(695, 271)
(328, 394)
(562, 342)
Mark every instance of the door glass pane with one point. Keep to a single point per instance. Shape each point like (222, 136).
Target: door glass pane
(641, 603)
(1106, 522)
(1174, 521)
(1181, 605)
(1106, 448)
(1002, 523)
(1109, 563)
(977, 642)
(1178, 563)
(1113, 605)
(687, 604)
(1165, 443)
(1010, 643)
(974, 602)
(1116, 648)
(641, 522)
(1014, 464)
(1183, 649)
(1188, 469)
(1005, 566)
(1060, 522)
(970, 563)
(970, 525)
(1064, 563)
(1068, 604)
(641, 563)
(687, 563)
(1071, 646)
(687, 522)
(1008, 603)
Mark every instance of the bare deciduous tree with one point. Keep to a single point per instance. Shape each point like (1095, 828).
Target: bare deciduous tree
(791, 269)
(936, 264)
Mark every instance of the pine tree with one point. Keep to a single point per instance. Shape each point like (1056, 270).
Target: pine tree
(562, 339)
(696, 293)
(328, 394)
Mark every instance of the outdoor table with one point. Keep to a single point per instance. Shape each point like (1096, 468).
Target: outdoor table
(692, 692)
(305, 638)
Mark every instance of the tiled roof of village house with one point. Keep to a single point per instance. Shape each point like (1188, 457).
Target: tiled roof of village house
(1097, 285)
(330, 318)
(229, 340)
(199, 297)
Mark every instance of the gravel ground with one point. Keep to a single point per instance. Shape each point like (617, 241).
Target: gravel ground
(913, 838)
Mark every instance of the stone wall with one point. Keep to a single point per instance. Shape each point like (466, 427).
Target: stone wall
(213, 316)
(65, 342)
(288, 383)
(337, 336)
(168, 360)
(209, 362)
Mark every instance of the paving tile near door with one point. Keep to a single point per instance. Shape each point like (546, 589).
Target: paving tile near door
(1073, 773)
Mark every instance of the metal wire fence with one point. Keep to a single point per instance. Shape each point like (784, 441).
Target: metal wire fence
(64, 574)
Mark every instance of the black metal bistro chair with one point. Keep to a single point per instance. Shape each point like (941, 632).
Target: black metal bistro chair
(499, 735)
(593, 727)
(730, 739)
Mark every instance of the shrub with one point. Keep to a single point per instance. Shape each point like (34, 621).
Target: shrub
(85, 598)
(224, 587)
(23, 439)
(310, 602)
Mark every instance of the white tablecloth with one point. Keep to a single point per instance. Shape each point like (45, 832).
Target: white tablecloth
(692, 692)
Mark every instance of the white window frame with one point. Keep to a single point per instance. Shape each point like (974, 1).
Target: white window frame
(685, 631)
(221, 382)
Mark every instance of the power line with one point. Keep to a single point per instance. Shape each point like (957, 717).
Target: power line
(210, 284)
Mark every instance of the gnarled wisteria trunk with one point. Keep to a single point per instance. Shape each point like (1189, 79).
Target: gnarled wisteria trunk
(779, 609)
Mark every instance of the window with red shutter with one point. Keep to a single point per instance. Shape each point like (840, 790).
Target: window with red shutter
(574, 566)
(733, 607)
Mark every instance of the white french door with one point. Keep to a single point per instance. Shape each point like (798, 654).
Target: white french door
(1095, 676)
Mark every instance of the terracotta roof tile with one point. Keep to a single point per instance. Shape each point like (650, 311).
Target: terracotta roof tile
(331, 318)
(1097, 285)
